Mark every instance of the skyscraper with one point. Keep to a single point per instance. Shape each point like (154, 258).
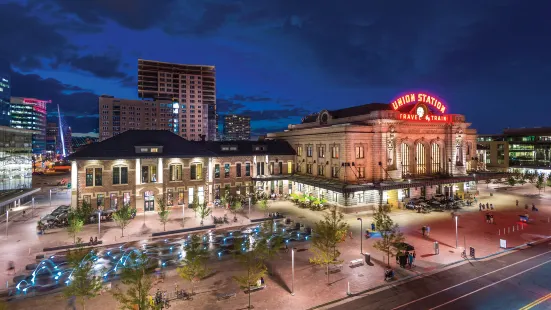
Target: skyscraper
(192, 90)
(30, 113)
(237, 127)
(5, 93)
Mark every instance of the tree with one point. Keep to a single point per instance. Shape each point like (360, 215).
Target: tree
(540, 182)
(84, 211)
(235, 206)
(391, 237)
(135, 276)
(122, 217)
(329, 232)
(548, 178)
(203, 211)
(164, 211)
(263, 205)
(82, 283)
(75, 225)
(194, 263)
(531, 177)
(488, 181)
(195, 203)
(511, 181)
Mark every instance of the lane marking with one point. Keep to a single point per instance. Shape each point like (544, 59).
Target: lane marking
(489, 285)
(536, 302)
(467, 281)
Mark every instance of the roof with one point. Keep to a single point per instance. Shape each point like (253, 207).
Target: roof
(527, 131)
(350, 111)
(123, 146)
(245, 147)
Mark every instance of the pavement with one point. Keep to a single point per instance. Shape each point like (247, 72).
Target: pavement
(508, 282)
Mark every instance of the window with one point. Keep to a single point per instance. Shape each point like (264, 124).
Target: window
(126, 199)
(421, 167)
(271, 168)
(196, 171)
(360, 197)
(226, 170)
(309, 150)
(114, 200)
(94, 177)
(100, 200)
(335, 152)
(170, 197)
(247, 169)
(309, 168)
(289, 167)
(238, 170)
(321, 151)
(361, 172)
(180, 196)
(435, 158)
(149, 174)
(405, 158)
(334, 172)
(87, 199)
(299, 150)
(321, 170)
(359, 151)
(120, 175)
(280, 167)
(217, 171)
(260, 168)
(175, 172)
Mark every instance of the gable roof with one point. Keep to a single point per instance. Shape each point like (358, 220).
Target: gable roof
(124, 146)
(350, 111)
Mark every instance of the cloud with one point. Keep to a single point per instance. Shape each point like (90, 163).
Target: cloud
(274, 115)
(249, 98)
(227, 106)
(102, 66)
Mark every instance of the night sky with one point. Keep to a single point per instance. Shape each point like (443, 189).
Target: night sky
(278, 60)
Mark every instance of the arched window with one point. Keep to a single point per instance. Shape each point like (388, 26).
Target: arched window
(436, 157)
(459, 154)
(405, 158)
(421, 159)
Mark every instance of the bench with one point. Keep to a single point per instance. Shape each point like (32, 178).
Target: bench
(356, 262)
(225, 296)
(334, 268)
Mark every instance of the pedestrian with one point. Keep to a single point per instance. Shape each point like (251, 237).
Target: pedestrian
(350, 234)
(372, 226)
(491, 206)
(261, 280)
(413, 259)
(488, 206)
(479, 207)
(11, 266)
(492, 219)
(423, 230)
(96, 240)
(91, 240)
(428, 230)
(517, 203)
(410, 259)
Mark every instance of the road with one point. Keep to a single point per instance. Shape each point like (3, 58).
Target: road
(516, 281)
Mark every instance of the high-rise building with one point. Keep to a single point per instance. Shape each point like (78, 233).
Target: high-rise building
(5, 94)
(237, 127)
(30, 113)
(119, 115)
(192, 90)
(54, 143)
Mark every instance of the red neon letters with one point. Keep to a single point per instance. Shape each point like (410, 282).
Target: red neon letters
(418, 97)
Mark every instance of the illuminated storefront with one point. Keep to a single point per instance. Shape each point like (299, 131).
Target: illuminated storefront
(362, 156)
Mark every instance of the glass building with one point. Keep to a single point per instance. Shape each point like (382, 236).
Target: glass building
(30, 113)
(5, 94)
(15, 159)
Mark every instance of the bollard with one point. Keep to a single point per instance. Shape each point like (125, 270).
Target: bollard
(348, 289)
(513, 228)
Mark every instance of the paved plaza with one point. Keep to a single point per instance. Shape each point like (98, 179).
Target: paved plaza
(310, 282)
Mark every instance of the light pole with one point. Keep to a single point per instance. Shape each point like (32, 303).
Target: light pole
(50, 197)
(249, 207)
(456, 236)
(361, 232)
(99, 222)
(7, 221)
(293, 271)
(32, 210)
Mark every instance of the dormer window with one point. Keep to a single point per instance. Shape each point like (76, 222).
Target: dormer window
(148, 149)
(228, 147)
(259, 148)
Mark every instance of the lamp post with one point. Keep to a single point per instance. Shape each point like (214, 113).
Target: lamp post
(249, 207)
(361, 232)
(99, 222)
(50, 197)
(456, 235)
(32, 210)
(7, 221)
(293, 271)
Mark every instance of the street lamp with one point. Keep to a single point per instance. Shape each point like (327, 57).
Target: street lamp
(32, 210)
(99, 223)
(50, 197)
(249, 207)
(456, 236)
(293, 271)
(361, 232)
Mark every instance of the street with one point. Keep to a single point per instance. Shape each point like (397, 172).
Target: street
(508, 282)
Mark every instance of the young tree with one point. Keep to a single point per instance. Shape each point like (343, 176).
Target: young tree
(122, 217)
(511, 181)
(75, 225)
(263, 205)
(195, 203)
(540, 182)
(203, 211)
(82, 283)
(164, 211)
(84, 211)
(135, 276)
(391, 236)
(329, 232)
(548, 180)
(194, 263)
(235, 206)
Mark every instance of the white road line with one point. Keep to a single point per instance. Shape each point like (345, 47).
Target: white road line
(485, 287)
(459, 284)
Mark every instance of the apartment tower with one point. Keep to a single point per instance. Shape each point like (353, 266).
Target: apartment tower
(237, 127)
(190, 88)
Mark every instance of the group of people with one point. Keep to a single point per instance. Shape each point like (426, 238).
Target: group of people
(407, 259)
(487, 206)
(526, 206)
(490, 218)
(425, 230)
(94, 241)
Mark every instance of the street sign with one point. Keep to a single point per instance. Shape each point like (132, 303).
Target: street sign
(471, 252)
(503, 243)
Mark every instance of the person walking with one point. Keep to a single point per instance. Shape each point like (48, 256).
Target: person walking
(413, 259)
(428, 231)
(410, 259)
(517, 203)
(487, 206)
(372, 226)
(491, 206)
(423, 230)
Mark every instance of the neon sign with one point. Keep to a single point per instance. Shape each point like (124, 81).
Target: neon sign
(413, 98)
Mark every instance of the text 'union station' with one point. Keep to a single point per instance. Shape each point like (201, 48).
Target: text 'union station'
(356, 158)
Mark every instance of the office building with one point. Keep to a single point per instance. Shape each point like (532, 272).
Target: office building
(191, 89)
(5, 94)
(119, 115)
(237, 127)
(30, 113)
(54, 143)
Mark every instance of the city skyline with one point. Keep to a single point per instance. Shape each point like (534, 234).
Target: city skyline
(278, 61)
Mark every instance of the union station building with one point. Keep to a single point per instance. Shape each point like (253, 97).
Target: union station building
(356, 158)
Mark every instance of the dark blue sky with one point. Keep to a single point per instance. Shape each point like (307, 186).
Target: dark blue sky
(278, 60)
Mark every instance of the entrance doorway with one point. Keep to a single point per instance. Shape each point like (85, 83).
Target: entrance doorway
(149, 201)
(423, 191)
